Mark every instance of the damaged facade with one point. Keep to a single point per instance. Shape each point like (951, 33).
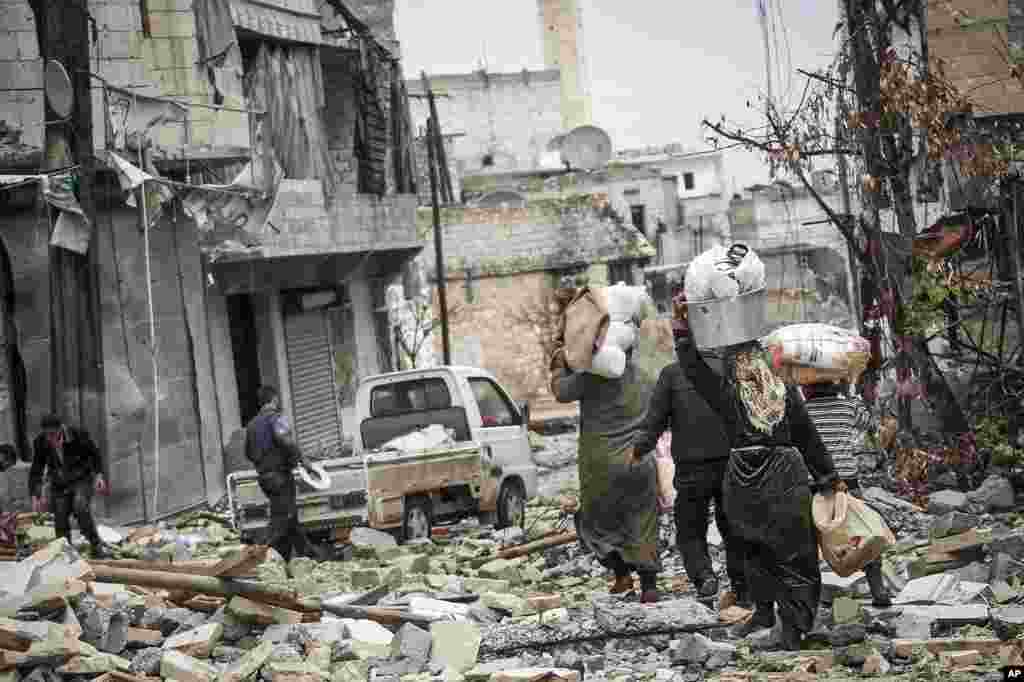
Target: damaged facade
(496, 299)
(273, 142)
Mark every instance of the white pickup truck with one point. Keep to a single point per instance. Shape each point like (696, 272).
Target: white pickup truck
(488, 471)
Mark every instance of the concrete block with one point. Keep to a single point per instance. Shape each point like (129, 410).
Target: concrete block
(177, 666)
(21, 75)
(17, 17)
(19, 45)
(198, 642)
(172, 24)
(117, 17)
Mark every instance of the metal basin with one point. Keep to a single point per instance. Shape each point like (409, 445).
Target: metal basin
(728, 321)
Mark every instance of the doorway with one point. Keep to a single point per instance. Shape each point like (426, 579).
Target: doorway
(245, 352)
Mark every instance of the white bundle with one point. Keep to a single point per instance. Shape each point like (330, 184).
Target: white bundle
(724, 273)
(609, 362)
(817, 345)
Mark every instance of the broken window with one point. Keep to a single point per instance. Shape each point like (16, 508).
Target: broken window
(639, 215)
(688, 183)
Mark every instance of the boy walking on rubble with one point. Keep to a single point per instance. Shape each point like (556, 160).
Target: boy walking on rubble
(841, 419)
(69, 458)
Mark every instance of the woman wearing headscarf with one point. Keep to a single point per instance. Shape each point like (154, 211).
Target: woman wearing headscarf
(767, 493)
(617, 519)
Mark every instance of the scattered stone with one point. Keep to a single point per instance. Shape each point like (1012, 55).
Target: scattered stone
(995, 494)
(945, 501)
(248, 611)
(411, 642)
(847, 634)
(876, 664)
(177, 666)
(147, 662)
(198, 642)
(455, 645)
(960, 659)
(1008, 622)
(845, 610)
(953, 523)
(369, 639)
(509, 603)
(695, 648)
(617, 616)
(530, 674)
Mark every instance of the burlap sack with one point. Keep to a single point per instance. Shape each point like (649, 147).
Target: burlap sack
(584, 319)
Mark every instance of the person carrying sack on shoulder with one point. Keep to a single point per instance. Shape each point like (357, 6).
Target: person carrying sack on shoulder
(840, 419)
(70, 460)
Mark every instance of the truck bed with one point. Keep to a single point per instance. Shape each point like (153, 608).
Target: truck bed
(344, 504)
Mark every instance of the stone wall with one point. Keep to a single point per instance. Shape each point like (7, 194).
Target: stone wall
(510, 116)
(191, 469)
(21, 88)
(164, 63)
(26, 237)
(487, 333)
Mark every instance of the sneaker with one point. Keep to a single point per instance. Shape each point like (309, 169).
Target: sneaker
(101, 551)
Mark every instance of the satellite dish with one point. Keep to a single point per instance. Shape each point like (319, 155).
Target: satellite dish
(59, 92)
(586, 148)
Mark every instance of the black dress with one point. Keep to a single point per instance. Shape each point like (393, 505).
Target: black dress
(766, 492)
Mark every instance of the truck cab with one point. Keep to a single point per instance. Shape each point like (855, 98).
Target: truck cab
(473, 405)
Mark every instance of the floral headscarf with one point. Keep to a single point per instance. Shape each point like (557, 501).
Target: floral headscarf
(761, 392)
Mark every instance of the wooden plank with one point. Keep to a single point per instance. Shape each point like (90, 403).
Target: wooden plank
(192, 286)
(237, 566)
(958, 543)
(904, 647)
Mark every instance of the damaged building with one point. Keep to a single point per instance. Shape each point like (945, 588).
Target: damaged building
(222, 194)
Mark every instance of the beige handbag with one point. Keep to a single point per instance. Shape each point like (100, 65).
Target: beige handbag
(585, 318)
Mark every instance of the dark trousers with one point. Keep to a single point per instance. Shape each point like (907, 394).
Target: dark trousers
(697, 485)
(648, 579)
(74, 499)
(284, 533)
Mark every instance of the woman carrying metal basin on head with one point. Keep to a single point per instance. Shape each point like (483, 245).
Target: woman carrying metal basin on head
(767, 497)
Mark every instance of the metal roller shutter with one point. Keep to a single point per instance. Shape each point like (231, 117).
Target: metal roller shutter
(311, 374)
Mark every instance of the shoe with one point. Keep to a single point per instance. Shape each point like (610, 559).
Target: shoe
(880, 598)
(782, 638)
(649, 596)
(101, 551)
(622, 585)
(764, 617)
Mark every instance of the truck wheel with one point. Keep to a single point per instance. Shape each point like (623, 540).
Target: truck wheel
(416, 522)
(511, 505)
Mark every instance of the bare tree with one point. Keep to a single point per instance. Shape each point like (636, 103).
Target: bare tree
(883, 108)
(416, 329)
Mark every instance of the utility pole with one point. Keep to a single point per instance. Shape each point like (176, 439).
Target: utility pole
(434, 134)
(763, 16)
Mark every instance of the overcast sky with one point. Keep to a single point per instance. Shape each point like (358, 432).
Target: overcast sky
(656, 67)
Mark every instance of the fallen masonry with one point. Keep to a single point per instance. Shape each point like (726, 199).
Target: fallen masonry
(478, 604)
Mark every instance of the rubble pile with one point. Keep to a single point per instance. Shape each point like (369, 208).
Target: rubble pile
(187, 602)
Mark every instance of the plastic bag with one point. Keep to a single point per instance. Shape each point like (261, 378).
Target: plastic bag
(666, 467)
(608, 362)
(851, 534)
(818, 345)
(626, 302)
(723, 272)
(621, 335)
